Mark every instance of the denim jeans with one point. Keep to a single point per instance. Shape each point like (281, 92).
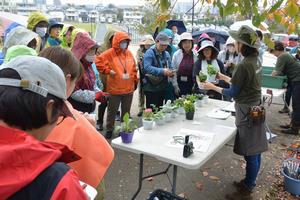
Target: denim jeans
(252, 169)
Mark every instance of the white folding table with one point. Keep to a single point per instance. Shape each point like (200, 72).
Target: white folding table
(154, 142)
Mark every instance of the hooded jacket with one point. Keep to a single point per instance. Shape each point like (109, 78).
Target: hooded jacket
(18, 50)
(33, 20)
(62, 36)
(106, 43)
(18, 36)
(86, 87)
(119, 61)
(96, 159)
(30, 168)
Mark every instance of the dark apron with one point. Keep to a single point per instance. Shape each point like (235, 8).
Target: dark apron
(249, 140)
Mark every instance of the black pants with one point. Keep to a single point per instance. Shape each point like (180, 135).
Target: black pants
(288, 94)
(296, 104)
(101, 111)
(155, 98)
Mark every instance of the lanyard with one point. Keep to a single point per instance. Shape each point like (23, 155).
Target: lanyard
(125, 71)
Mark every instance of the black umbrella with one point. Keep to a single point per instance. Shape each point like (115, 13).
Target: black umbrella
(180, 26)
(219, 35)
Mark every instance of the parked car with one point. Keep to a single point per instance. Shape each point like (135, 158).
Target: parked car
(289, 41)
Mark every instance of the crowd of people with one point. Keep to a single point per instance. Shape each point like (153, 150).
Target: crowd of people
(55, 75)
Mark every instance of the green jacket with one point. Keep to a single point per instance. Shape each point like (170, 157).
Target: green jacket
(34, 19)
(106, 44)
(18, 50)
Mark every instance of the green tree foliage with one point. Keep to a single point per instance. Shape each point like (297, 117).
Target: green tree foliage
(286, 13)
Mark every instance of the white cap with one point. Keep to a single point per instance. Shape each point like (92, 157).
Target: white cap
(38, 75)
(207, 43)
(230, 40)
(19, 36)
(186, 36)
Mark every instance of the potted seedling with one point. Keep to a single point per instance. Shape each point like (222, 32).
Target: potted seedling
(179, 104)
(126, 129)
(202, 77)
(189, 108)
(148, 119)
(191, 97)
(174, 107)
(159, 118)
(167, 110)
(199, 101)
(212, 73)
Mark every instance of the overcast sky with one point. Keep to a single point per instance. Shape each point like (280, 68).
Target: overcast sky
(105, 2)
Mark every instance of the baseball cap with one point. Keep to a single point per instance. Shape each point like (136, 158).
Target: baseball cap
(163, 38)
(38, 75)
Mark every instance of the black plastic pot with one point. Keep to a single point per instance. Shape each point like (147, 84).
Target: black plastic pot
(189, 115)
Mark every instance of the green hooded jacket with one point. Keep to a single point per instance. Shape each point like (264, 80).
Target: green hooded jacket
(62, 36)
(106, 44)
(34, 19)
(18, 50)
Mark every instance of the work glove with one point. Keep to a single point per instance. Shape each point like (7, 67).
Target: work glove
(101, 97)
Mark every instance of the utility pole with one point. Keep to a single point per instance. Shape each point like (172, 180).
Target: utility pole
(193, 10)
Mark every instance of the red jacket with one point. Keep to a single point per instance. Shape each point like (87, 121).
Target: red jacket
(23, 159)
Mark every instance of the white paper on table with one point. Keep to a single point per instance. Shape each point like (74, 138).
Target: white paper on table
(201, 139)
(229, 108)
(218, 114)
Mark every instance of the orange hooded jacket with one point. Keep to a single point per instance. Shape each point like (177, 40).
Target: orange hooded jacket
(82, 138)
(119, 61)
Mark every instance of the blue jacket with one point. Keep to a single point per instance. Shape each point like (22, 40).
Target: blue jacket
(150, 62)
(154, 64)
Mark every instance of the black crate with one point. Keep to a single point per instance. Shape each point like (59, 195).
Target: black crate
(164, 195)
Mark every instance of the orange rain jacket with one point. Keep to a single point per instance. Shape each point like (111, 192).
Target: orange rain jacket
(82, 138)
(119, 61)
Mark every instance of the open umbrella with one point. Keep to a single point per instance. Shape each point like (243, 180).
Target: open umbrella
(220, 35)
(263, 27)
(7, 18)
(180, 25)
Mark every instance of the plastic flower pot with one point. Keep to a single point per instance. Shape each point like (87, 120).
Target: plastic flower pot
(160, 121)
(199, 103)
(173, 114)
(189, 115)
(205, 99)
(147, 124)
(212, 78)
(126, 137)
(168, 117)
(291, 185)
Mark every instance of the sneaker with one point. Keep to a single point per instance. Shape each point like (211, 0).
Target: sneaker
(285, 126)
(118, 117)
(240, 185)
(291, 131)
(108, 134)
(239, 195)
(284, 110)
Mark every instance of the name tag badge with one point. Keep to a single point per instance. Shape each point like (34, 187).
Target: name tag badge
(125, 76)
(184, 78)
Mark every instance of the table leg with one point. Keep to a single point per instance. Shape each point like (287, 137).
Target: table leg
(140, 176)
(174, 179)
